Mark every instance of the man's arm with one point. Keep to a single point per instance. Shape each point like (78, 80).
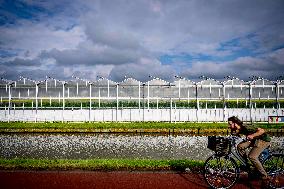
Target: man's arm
(259, 132)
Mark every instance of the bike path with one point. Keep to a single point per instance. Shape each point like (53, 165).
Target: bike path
(110, 180)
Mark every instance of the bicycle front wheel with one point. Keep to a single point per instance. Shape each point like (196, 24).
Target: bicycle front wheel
(274, 166)
(221, 172)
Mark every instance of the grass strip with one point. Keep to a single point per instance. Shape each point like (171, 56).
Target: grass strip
(101, 164)
(109, 125)
(124, 125)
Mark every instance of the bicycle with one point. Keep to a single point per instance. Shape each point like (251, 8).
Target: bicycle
(223, 168)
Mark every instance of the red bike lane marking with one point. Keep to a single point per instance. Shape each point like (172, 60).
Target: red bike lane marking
(108, 180)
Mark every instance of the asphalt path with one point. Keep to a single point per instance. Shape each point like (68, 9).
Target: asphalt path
(110, 180)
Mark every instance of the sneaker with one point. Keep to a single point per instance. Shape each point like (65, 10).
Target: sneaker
(265, 181)
(253, 175)
(266, 178)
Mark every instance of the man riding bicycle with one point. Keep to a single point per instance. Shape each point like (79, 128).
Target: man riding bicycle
(257, 138)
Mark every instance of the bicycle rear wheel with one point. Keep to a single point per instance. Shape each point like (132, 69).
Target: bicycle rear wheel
(274, 166)
(221, 172)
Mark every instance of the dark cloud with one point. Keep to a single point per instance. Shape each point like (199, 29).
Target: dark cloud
(113, 37)
(94, 56)
(9, 73)
(142, 70)
(20, 62)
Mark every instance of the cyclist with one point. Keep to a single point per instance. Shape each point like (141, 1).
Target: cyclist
(257, 138)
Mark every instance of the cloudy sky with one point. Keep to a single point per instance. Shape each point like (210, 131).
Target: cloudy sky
(138, 38)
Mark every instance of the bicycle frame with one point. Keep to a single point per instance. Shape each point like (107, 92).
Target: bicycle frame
(235, 153)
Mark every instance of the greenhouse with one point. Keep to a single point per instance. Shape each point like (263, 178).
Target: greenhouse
(125, 100)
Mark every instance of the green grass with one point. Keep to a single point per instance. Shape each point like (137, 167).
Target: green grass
(100, 164)
(123, 125)
(85, 103)
(109, 125)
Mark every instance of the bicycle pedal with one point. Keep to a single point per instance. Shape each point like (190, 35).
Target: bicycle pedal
(245, 168)
(253, 175)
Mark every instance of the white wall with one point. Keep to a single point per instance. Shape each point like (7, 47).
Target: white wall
(174, 115)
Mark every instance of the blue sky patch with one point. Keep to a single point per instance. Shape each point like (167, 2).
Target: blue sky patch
(7, 53)
(13, 10)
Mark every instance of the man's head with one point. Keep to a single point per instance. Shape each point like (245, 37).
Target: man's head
(234, 123)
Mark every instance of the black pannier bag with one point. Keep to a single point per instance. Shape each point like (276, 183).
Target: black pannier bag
(220, 145)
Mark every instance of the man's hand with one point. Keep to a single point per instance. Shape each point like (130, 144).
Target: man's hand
(250, 137)
(259, 132)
